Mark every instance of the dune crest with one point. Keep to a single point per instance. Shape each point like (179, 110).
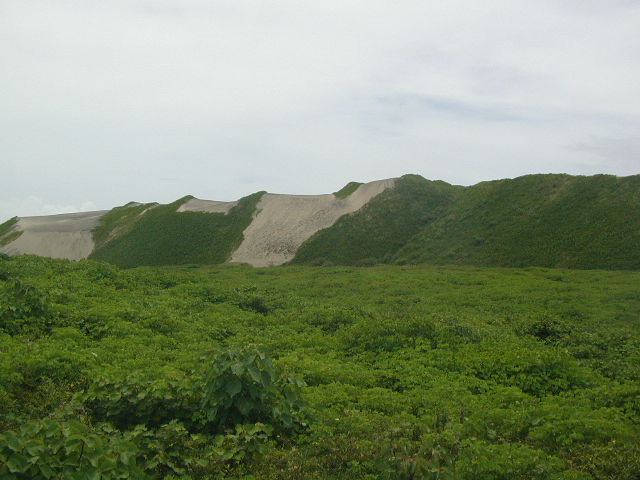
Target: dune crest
(58, 236)
(283, 222)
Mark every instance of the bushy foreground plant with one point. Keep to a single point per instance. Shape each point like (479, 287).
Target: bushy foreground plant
(152, 426)
(243, 386)
(69, 449)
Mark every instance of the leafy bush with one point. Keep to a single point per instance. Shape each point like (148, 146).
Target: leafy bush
(23, 308)
(50, 448)
(482, 461)
(127, 399)
(243, 386)
(388, 334)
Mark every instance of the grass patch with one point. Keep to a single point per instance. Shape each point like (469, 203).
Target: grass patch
(7, 233)
(6, 240)
(347, 190)
(163, 236)
(117, 222)
(7, 226)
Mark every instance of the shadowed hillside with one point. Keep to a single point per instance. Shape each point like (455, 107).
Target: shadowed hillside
(542, 220)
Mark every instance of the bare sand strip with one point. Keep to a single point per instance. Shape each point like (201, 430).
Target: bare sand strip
(57, 236)
(284, 222)
(209, 206)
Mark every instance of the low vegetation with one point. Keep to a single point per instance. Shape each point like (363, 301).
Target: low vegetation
(163, 236)
(118, 221)
(347, 190)
(298, 372)
(7, 232)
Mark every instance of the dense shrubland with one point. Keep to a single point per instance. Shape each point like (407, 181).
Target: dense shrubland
(317, 373)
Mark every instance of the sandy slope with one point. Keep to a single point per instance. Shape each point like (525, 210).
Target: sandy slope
(58, 236)
(284, 222)
(210, 206)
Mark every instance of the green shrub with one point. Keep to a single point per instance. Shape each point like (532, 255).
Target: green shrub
(69, 449)
(127, 399)
(243, 386)
(507, 461)
(23, 309)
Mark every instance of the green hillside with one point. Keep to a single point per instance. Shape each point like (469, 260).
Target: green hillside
(163, 236)
(534, 220)
(377, 231)
(542, 220)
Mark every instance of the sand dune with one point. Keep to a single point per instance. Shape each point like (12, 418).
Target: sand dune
(57, 236)
(209, 206)
(284, 222)
(280, 225)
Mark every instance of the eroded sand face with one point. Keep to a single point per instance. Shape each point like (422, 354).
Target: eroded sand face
(209, 206)
(284, 222)
(57, 236)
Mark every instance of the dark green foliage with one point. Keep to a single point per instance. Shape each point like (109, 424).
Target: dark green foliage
(347, 190)
(201, 423)
(377, 231)
(411, 373)
(127, 399)
(23, 308)
(255, 304)
(244, 387)
(50, 448)
(543, 220)
(163, 236)
(240, 386)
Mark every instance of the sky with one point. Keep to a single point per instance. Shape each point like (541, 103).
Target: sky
(106, 102)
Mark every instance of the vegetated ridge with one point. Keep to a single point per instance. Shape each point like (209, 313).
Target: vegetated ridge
(550, 220)
(535, 220)
(543, 220)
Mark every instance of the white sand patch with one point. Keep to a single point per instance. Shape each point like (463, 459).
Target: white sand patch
(284, 222)
(57, 236)
(209, 206)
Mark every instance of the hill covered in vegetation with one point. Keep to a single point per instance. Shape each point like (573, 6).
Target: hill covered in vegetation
(536, 220)
(543, 220)
(298, 372)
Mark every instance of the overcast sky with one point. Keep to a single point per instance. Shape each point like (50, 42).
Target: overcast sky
(103, 102)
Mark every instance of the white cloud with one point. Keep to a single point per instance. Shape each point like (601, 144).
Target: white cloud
(151, 100)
